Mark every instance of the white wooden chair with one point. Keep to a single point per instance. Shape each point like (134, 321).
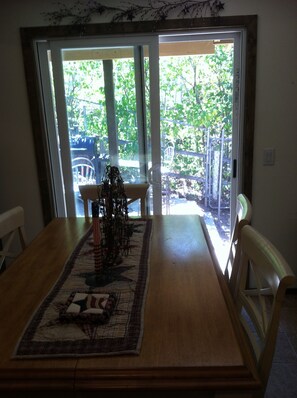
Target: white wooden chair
(260, 314)
(133, 192)
(11, 223)
(243, 217)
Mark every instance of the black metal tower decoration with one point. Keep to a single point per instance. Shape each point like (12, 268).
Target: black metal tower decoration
(114, 212)
(111, 232)
(98, 260)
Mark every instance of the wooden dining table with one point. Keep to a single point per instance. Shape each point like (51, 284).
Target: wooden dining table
(192, 341)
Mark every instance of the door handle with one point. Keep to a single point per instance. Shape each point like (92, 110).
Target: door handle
(234, 168)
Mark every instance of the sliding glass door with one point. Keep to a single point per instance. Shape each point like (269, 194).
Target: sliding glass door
(165, 109)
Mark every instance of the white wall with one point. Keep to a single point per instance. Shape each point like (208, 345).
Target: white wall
(274, 187)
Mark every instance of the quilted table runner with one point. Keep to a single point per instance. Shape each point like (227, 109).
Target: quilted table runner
(87, 315)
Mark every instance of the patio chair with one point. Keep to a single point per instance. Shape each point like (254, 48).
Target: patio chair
(11, 223)
(260, 314)
(133, 192)
(83, 172)
(243, 217)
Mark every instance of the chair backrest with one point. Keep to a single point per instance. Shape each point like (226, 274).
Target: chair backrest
(11, 223)
(133, 192)
(83, 172)
(260, 313)
(243, 217)
(168, 155)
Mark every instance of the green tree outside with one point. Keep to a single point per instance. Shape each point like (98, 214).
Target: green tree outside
(196, 99)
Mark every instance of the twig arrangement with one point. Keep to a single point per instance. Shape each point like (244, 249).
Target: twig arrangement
(81, 13)
(114, 212)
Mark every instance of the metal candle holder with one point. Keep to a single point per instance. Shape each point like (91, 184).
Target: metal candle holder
(115, 230)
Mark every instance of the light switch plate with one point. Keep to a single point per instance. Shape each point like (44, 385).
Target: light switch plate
(268, 156)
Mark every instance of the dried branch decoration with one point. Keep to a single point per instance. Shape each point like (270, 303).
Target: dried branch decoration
(81, 13)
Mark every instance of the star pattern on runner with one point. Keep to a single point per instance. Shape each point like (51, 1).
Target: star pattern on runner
(106, 276)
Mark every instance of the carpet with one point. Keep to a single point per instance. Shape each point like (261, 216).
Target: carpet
(110, 309)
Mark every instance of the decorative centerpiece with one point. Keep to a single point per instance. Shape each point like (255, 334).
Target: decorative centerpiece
(111, 229)
(114, 213)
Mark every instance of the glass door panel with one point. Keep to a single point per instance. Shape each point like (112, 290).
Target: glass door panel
(196, 94)
(101, 112)
(102, 97)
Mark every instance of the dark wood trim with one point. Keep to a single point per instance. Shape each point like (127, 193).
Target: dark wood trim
(38, 130)
(29, 35)
(291, 290)
(249, 108)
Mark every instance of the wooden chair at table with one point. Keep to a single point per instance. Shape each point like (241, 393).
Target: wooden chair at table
(11, 223)
(89, 193)
(243, 217)
(133, 192)
(260, 313)
(136, 192)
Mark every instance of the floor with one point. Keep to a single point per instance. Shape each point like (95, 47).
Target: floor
(283, 377)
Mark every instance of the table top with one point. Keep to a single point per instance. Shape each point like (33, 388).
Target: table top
(192, 338)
